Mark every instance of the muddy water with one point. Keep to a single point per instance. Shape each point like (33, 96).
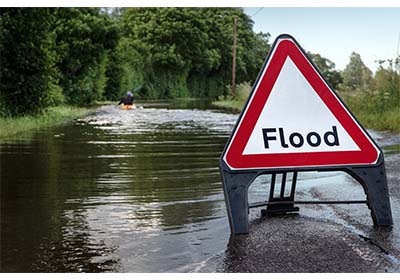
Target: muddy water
(129, 191)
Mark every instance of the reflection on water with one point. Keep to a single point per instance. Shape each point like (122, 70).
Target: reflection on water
(134, 191)
(116, 191)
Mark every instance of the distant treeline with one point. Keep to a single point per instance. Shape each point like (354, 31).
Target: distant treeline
(51, 56)
(373, 98)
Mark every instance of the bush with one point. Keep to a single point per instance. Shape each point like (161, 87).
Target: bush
(28, 75)
(125, 70)
(83, 36)
(241, 93)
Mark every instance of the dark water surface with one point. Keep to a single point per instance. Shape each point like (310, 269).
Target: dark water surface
(127, 191)
(118, 190)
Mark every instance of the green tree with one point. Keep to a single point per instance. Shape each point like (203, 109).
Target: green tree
(356, 75)
(126, 68)
(387, 84)
(49, 56)
(189, 50)
(176, 40)
(251, 48)
(327, 69)
(83, 35)
(28, 76)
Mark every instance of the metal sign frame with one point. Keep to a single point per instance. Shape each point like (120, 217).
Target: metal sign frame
(236, 182)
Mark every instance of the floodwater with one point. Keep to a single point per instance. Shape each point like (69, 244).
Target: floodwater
(140, 191)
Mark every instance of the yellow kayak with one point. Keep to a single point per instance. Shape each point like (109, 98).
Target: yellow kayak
(128, 107)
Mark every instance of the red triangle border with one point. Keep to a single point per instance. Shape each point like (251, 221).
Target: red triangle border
(233, 156)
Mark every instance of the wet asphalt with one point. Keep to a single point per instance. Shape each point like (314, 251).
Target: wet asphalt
(320, 238)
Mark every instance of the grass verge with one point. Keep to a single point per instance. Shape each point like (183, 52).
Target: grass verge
(105, 102)
(230, 104)
(234, 103)
(374, 111)
(52, 117)
(387, 120)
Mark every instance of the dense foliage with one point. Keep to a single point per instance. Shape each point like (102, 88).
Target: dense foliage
(52, 56)
(382, 93)
(327, 69)
(28, 77)
(82, 37)
(79, 55)
(188, 52)
(356, 75)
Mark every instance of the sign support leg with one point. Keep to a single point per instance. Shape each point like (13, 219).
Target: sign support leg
(373, 180)
(236, 190)
(284, 207)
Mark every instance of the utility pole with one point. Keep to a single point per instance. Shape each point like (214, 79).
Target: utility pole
(397, 59)
(234, 57)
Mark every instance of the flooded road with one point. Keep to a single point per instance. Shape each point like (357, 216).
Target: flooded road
(140, 191)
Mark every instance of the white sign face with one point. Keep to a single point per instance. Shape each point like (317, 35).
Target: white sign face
(293, 111)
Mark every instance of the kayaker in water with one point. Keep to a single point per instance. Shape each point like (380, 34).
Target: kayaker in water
(128, 99)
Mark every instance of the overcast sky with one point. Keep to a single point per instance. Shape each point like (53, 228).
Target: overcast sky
(334, 33)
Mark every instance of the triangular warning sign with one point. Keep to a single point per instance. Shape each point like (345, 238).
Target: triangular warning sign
(294, 119)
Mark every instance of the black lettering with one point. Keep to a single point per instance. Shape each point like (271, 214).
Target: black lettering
(291, 140)
(282, 136)
(335, 137)
(310, 142)
(265, 132)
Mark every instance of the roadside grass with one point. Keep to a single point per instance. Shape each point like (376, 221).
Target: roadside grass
(388, 120)
(372, 110)
(52, 117)
(379, 111)
(105, 102)
(234, 103)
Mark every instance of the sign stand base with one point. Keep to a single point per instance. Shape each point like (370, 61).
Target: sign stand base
(236, 185)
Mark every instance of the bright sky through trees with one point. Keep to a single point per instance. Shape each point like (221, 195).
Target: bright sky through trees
(335, 33)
